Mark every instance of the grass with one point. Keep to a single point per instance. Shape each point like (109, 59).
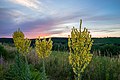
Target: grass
(103, 68)
(58, 67)
(100, 68)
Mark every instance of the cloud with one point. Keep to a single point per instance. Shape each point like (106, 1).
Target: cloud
(49, 25)
(103, 30)
(38, 18)
(27, 3)
(5, 17)
(8, 22)
(34, 5)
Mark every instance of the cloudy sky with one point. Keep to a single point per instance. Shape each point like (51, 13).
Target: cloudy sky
(55, 18)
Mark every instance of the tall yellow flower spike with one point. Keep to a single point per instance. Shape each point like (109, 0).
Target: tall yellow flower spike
(80, 45)
(22, 45)
(43, 47)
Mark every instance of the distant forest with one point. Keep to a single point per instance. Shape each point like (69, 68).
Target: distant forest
(104, 45)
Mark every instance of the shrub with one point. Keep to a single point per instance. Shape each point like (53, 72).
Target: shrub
(3, 52)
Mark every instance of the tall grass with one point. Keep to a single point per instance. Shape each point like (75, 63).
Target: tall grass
(103, 68)
(58, 68)
(100, 68)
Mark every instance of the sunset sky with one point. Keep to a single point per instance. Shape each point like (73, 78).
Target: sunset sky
(55, 18)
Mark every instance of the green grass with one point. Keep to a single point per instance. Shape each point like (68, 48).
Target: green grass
(100, 68)
(58, 67)
(103, 68)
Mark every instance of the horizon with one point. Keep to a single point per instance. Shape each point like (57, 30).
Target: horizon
(48, 18)
(53, 37)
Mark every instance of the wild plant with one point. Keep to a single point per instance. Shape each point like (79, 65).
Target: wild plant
(23, 47)
(79, 45)
(43, 50)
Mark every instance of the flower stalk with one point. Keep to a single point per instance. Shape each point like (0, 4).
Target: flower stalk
(80, 44)
(43, 50)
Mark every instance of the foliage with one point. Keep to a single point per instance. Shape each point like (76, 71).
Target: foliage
(7, 52)
(103, 68)
(58, 68)
(3, 52)
(36, 75)
(107, 40)
(80, 46)
(107, 49)
(17, 71)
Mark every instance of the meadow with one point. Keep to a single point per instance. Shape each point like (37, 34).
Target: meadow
(57, 65)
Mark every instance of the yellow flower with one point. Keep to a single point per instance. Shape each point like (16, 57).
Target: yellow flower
(22, 45)
(43, 47)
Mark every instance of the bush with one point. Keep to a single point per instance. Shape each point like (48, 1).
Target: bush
(7, 52)
(3, 52)
(18, 71)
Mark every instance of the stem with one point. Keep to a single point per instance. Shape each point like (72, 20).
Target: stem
(44, 74)
(1, 63)
(80, 24)
(80, 28)
(27, 72)
(79, 76)
(43, 66)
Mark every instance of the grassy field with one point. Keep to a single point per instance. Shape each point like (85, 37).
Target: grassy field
(57, 66)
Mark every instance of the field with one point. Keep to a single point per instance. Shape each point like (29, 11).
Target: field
(101, 67)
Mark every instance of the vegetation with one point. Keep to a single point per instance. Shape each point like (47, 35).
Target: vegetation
(58, 68)
(61, 44)
(7, 52)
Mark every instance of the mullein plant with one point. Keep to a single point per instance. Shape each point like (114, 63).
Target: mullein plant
(23, 47)
(43, 50)
(22, 44)
(79, 44)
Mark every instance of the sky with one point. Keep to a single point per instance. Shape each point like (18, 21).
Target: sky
(55, 18)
